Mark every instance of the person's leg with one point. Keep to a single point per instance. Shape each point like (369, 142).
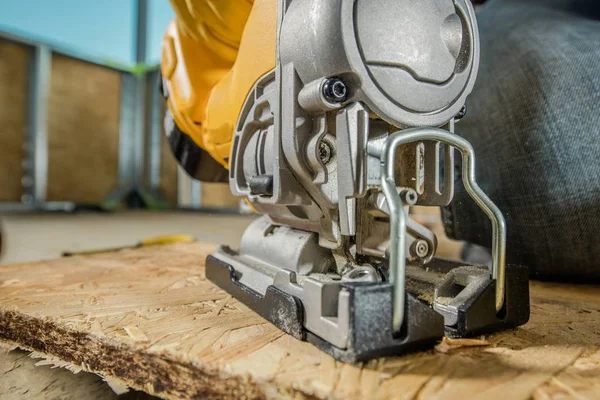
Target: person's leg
(534, 121)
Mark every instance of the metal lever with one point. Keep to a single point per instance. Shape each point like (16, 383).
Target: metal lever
(398, 217)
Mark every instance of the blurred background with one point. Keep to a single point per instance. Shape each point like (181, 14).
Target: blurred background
(84, 161)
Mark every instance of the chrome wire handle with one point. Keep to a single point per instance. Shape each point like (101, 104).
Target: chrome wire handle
(398, 217)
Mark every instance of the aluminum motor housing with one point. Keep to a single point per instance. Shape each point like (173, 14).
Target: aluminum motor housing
(332, 145)
(412, 62)
(402, 63)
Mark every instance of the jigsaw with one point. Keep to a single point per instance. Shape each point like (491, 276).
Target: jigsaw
(332, 117)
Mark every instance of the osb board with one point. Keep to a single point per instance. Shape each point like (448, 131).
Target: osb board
(149, 319)
(83, 131)
(218, 195)
(13, 117)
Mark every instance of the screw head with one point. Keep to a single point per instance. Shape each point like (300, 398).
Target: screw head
(421, 248)
(461, 114)
(410, 197)
(325, 152)
(335, 90)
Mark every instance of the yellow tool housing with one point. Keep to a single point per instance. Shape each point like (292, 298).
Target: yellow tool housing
(213, 53)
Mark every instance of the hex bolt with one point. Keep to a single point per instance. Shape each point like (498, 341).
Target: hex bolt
(461, 114)
(335, 90)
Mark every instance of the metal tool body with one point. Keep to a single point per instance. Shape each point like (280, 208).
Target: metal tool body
(356, 122)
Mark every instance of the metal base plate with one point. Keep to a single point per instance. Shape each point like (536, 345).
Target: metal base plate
(371, 334)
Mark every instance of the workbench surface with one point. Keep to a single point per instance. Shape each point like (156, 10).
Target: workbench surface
(148, 319)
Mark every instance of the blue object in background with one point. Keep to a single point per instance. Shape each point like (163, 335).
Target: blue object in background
(90, 29)
(160, 16)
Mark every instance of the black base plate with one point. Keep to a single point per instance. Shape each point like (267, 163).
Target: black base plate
(371, 334)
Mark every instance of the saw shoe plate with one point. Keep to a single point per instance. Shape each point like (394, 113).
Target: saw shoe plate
(368, 308)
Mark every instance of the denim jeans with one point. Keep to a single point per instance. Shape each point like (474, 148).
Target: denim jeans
(534, 121)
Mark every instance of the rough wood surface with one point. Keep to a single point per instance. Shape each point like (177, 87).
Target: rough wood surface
(147, 318)
(14, 60)
(83, 131)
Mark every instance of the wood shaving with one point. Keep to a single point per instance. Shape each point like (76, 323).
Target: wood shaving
(448, 345)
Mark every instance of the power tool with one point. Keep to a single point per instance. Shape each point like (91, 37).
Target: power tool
(331, 117)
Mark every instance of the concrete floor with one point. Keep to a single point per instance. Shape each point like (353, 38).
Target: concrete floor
(30, 237)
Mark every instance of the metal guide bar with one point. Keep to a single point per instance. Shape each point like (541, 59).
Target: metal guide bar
(398, 217)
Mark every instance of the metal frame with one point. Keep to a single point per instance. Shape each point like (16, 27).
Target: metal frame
(398, 217)
(35, 162)
(155, 132)
(140, 129)
(134, 119)
(125, 128)
(35, 179)
(35, 148)
(140, 81)
(137, 115)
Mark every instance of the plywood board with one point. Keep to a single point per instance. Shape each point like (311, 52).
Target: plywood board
(147, 318)
(14, 59)
(83, 131)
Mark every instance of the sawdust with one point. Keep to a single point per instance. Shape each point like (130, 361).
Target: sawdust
(448, 345)
(421, 290)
